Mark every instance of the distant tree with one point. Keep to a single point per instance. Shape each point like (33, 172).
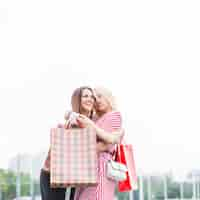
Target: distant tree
(187, 190)
(8, 184)
(121, 195)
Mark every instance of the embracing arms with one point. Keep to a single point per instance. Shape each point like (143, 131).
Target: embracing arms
(113, 138)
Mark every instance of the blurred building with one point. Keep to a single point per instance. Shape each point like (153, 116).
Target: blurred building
(27, 163)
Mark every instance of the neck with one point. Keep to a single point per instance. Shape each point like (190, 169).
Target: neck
(101, 113)
(86, 113)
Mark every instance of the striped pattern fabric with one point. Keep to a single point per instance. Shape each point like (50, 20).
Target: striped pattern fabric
(105, 188)
(73, 157)
(110, 122)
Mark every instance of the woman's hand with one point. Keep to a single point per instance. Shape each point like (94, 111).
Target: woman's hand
(101, 146)
(63, 125)
(67, 115)
(85, 121)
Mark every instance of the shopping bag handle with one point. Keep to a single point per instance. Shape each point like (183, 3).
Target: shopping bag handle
(117, 152)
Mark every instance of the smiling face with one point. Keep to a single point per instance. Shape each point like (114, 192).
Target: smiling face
(86, 101)
(102, 105)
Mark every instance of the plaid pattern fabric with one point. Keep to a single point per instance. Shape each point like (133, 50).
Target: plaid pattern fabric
(46, 165)
(73, 157)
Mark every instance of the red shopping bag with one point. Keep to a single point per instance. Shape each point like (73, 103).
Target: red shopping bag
(125, 156)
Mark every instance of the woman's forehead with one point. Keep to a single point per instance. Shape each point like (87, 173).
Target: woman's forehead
(98, 92)
(86, 91)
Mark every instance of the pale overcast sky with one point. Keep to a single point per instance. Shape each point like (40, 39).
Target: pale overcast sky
(146, 52)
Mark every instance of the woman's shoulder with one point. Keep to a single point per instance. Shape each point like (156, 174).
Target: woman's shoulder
(114, 118)
(109, 116)
(110, 121)
(114, 114)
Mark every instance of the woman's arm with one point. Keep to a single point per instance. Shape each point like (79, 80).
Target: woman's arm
(101, 147)
(113, 138)
(109, 137)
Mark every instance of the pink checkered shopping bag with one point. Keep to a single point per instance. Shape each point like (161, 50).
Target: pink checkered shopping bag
(73, 157)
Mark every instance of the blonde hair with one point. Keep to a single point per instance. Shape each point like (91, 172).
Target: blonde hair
(108, 95)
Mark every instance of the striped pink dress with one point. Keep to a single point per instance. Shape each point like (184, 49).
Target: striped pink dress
(105, 188)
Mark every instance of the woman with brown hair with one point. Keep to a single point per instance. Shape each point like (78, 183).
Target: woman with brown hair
(82, 102)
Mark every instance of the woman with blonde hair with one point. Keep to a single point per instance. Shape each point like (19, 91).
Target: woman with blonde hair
(108, 122)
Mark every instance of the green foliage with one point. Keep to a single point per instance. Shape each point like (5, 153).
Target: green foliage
(188, 190)
(8, 184)
(121, 195)
(173, 190)
(8, 187)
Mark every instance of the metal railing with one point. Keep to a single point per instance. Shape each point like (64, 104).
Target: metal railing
(23, 184)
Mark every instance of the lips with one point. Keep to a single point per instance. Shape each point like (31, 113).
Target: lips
(88, 104)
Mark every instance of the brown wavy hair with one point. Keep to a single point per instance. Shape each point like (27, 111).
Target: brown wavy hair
(76, 99)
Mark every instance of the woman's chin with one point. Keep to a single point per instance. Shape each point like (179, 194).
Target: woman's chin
(88, 108)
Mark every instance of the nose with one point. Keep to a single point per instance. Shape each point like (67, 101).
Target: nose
(97, 100)
(90, 99)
